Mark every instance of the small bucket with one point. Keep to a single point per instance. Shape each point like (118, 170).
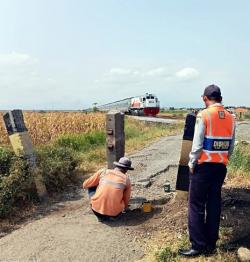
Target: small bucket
(166, 187)
(147, 207)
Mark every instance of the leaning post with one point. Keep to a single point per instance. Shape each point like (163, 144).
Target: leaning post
(115, 137)
(22, 146)
(182, 182)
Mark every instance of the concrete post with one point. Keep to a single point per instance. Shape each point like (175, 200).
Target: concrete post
(182, 182)
(22, 146)
(115, 136)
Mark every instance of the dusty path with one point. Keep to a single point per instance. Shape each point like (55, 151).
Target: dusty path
(72, 233)
(68, 231)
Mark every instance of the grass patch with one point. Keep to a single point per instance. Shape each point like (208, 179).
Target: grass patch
(178, 114)
(166, 255)
(246, 116)
(140, 133)
(239, 166)
(82, 142)
(170, 251)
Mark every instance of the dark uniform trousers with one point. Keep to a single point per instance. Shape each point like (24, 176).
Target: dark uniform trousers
(205, 204)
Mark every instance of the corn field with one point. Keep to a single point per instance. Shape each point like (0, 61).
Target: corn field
(46, 127)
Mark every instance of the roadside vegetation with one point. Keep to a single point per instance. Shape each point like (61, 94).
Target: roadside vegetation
(246, 116)
(64, 160)
(173, 113)
(239, 167)
(235, 212)
(170, 252)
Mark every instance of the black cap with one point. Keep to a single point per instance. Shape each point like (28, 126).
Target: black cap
(212, 91)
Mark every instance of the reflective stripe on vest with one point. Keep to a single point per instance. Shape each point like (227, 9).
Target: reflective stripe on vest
(105, 181)
(218, 135)
(216, 144)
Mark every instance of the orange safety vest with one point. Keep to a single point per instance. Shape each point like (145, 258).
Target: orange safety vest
(112, 193)
(219, 131)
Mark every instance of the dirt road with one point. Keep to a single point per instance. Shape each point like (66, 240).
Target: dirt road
(72, 233)
(68, 231)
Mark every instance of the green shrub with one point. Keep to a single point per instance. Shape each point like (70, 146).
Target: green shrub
(82, 142)
(17, 186)
(247, 116)
(57, 165)
(6, 158)
(240, 159)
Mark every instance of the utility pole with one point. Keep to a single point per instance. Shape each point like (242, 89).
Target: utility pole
(115, 141)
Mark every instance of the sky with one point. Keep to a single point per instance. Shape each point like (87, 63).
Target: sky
(69, 54)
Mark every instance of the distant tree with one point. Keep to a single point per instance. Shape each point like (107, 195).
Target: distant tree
(95, 109)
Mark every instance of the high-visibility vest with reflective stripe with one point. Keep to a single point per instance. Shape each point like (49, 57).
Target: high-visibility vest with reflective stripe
(112, 194)
(116, 179)
(219, 130)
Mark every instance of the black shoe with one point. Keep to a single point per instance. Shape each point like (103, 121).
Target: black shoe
(190, 252)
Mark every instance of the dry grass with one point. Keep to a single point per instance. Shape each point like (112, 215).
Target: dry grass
(139, 133)
(239, 167)
(46, 127)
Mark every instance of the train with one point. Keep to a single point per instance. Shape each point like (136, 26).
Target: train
(145, 105)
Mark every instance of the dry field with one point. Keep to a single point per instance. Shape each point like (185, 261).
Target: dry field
(45, 127)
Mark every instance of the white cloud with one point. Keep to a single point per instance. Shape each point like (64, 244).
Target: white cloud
(187, 73)
(119, 71)
(16, 59)
(159, 72)
(139, 75)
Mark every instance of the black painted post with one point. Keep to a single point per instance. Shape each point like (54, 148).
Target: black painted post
(22, 146)
(182, 182)
(115, 136)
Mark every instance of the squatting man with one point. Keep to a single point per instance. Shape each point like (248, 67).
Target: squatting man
(110, 190)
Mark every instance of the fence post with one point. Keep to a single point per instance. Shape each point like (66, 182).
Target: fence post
(115, 138)
(182, 182)
(22, 146)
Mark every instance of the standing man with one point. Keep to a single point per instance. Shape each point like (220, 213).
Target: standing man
(110, 190)
(212, 146)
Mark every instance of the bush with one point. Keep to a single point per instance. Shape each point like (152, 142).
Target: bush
(18, 185)
(240, 160)
(56, 165)
(246, 116)
(6, 158)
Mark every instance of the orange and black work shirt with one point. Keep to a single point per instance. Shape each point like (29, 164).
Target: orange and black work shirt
(113, 191)
(214, 136)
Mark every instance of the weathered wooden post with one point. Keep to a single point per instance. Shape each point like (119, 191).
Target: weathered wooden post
(115, 136)
(22, 146)
(182, 182)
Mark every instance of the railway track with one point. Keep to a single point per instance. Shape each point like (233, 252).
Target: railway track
(155, 119)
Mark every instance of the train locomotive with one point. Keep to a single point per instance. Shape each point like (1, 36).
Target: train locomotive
(146, 105)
